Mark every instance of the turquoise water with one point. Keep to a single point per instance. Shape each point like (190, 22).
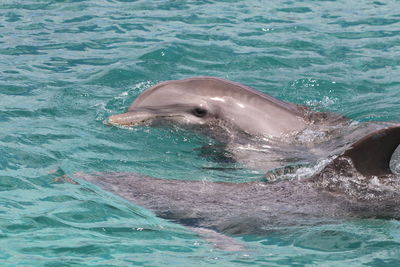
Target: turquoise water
(66, 65)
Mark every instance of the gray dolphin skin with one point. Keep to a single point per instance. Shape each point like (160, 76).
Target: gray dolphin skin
(356, 180)
(202, 100)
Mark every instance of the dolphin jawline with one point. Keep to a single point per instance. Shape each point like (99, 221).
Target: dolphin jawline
(135, 119)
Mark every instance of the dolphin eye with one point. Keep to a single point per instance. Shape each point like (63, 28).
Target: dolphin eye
(199, 112)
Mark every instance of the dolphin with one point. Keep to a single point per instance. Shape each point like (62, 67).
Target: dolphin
(253, 128)
(356, 179)
(359, 183)
(204, 100)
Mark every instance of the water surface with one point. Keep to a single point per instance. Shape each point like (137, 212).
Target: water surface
(67, 65)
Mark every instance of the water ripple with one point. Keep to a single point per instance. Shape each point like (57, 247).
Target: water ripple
(66, 65)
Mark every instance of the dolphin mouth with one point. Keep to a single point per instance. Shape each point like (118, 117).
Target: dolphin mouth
(136, 118)
(146, 115)
(126, 119)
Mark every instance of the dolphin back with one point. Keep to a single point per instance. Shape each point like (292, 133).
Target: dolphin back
(372, 155)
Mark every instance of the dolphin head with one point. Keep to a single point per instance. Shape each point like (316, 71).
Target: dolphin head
(206, 100)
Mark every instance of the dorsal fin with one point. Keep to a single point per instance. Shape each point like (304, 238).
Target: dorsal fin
(371, 155)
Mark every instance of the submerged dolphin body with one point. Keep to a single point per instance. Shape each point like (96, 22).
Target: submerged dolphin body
(338, 191)
(358, 182)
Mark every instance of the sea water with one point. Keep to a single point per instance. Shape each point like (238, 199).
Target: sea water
(66, 65)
